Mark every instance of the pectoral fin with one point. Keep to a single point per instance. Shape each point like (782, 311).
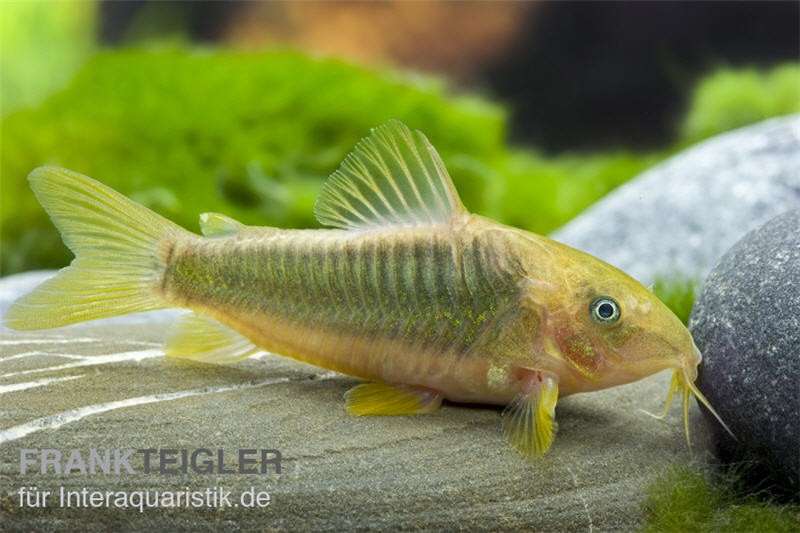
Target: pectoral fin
(385, 399)
(529, 420)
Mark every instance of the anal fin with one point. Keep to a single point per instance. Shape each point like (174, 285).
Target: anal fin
(529, 420)
(204, 339)
(385, 399)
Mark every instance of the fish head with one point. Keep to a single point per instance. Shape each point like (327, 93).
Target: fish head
(605, 329)
(608, 330)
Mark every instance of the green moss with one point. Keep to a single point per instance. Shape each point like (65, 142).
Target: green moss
(249, 134)
(253, 135)
(42, 44)
(541, 193)
(678, 294)
(729, 99)
(683, 500)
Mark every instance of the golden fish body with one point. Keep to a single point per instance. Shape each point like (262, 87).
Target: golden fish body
(409, 290)
(405, 306)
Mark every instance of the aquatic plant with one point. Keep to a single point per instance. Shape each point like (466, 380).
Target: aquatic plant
(678, 293)
(731, 98)
(684, 499)
(253, 135)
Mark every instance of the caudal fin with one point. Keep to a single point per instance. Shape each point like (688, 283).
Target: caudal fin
(119, 249)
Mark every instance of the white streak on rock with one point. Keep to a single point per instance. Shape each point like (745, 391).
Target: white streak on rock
(32, 384)
(91, 360)
(38, 353)
(48, 340)
(57, 420)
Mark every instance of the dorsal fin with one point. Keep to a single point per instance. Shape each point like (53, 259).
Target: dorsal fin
(394, 177)
(216, 225)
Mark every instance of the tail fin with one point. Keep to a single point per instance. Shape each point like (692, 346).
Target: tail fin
(119, 249)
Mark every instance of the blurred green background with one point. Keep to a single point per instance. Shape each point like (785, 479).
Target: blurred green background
(244, 108)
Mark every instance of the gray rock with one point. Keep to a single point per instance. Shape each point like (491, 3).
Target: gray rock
(747, 324)
(678, 218)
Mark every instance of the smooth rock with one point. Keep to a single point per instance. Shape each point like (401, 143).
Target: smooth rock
(746, 323)
(678, 218)
(108, 386)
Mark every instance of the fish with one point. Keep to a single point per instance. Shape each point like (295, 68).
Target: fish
(403, 288)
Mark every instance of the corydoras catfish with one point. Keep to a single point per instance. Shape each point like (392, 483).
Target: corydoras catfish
(407, 290)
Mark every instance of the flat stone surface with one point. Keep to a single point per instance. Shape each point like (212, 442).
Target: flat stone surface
(107, 386)
(747, 324)
(678, 218)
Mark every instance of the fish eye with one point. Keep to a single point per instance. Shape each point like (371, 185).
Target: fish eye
(604, 310)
